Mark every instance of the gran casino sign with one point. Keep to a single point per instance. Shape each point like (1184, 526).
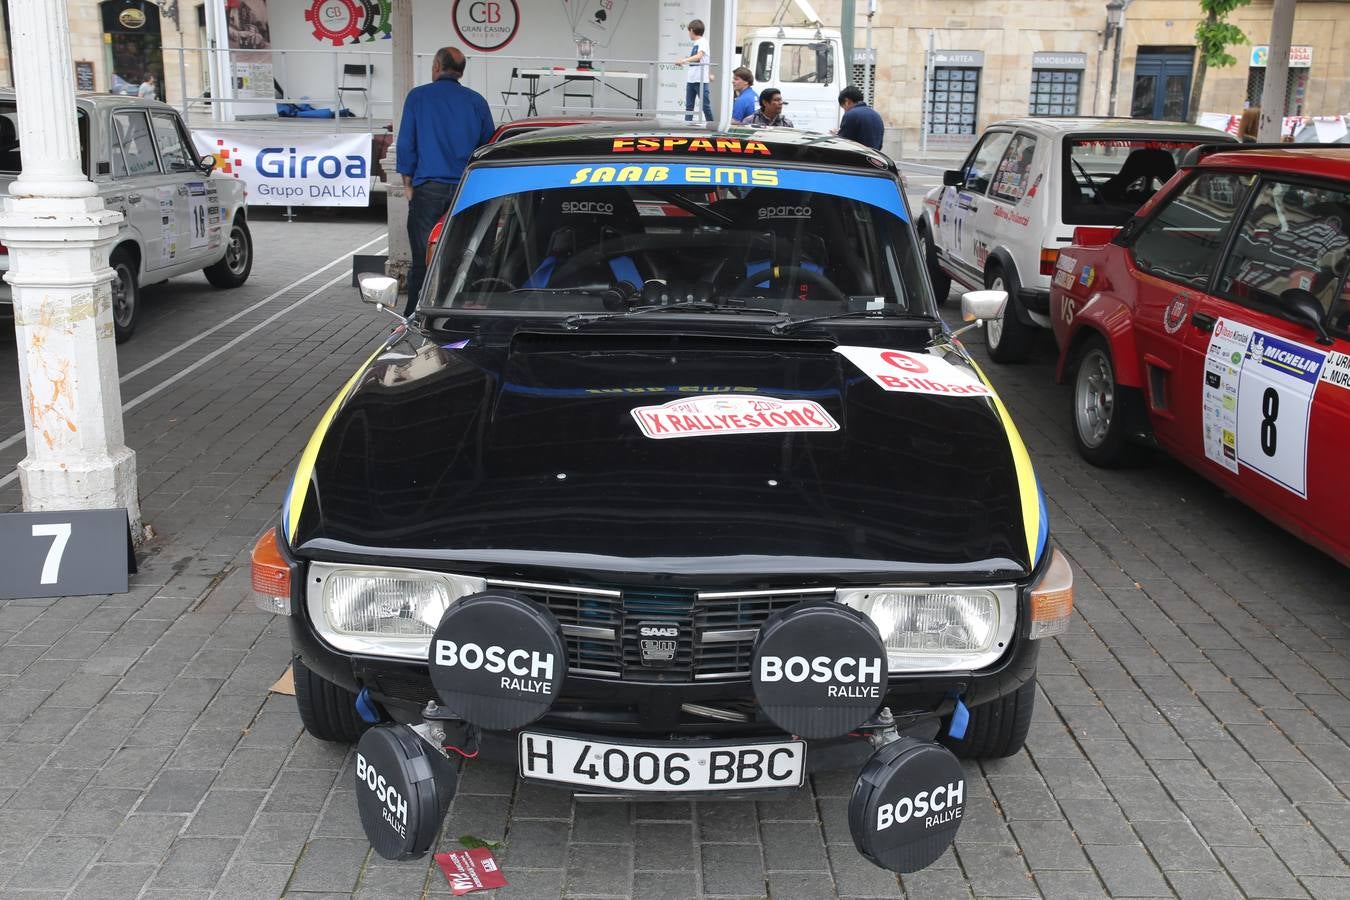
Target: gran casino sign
(486, 25)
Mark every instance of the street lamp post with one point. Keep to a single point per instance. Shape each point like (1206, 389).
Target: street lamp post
(1115, 22)
(396, 199)
(59, 235)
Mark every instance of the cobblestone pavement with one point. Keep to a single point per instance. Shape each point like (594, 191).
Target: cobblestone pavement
(1189, 737)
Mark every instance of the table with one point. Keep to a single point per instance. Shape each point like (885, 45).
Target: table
(532, 78)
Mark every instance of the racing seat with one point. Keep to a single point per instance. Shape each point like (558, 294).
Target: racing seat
(577, 222)
(1144, 171)
(786, 238)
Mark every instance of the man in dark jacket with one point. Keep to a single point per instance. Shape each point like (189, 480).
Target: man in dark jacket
(443, 123)
(861, 122)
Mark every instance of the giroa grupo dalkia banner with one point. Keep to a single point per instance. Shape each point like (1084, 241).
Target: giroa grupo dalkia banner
(282, 169)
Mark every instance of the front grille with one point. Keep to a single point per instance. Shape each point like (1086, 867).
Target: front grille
(589, 618)
(717, 629)
(723, 615)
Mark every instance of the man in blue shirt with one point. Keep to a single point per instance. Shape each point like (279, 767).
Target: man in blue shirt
(861, 122)
(443, 123)
(742, 81)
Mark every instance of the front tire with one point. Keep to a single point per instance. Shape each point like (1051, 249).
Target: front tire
(942, 282)
(126, 294)
(998, 728)
(234, 267)
(327, 710)
(1101, 409)
(1009, 339)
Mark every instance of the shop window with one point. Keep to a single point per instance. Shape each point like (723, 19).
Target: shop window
(1055, 92)
(1295, 89)
(954, 100)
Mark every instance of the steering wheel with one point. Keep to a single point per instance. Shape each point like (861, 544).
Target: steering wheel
(491, 279)
(790, 275)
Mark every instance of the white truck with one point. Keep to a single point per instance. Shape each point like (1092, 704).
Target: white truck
(806, 63)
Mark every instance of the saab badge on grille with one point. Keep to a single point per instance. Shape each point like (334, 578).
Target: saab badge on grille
(657, 643)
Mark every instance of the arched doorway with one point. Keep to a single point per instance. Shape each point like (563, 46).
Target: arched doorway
(131, 41)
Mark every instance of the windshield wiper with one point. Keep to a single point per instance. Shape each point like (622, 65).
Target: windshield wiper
(910, 319)
(575, 321)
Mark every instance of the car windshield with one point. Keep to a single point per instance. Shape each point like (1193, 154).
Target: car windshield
(755, 241)
(1107, 179)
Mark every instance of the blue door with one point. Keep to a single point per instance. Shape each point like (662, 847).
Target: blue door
(1162, 86)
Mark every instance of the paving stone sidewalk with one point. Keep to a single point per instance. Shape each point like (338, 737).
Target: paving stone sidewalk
(1189, 738)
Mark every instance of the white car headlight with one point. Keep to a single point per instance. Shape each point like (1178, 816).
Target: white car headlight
(932, 629)
(385, 611)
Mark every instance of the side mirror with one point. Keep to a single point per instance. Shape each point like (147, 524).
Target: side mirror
(1303, 308)
(978, 307)
(380, 290)
(207, 163)
(953, 178)
(983, 305)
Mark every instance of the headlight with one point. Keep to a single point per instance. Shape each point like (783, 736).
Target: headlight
(391, 612)
(932, 629)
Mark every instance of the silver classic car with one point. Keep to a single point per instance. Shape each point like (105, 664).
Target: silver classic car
(177, 217)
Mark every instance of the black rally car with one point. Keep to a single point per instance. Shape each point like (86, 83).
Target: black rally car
(677, 483)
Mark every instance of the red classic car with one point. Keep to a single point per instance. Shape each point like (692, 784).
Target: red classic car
(1216, 323)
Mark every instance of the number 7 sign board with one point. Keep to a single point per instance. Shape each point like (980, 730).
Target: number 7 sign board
(65, 554)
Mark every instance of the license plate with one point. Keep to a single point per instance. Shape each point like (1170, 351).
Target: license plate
(661, 767)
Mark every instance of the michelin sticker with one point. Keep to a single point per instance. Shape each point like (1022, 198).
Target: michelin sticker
(1257, 402)
(917, 373)
(708, 415)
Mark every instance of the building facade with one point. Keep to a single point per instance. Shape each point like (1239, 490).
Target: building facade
(118, 43)
(995, 59)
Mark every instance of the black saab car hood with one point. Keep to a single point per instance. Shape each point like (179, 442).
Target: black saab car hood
(530, 454)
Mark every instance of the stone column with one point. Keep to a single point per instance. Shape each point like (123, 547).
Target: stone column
(396, 201)
(59, 236)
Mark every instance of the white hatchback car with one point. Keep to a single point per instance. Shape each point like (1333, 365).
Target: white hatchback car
(999, 221)
(177, 217)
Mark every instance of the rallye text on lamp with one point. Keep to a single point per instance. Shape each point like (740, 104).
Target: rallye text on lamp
(676, 482)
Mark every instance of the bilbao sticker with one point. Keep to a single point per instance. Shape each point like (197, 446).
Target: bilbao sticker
(916, 373)
(710, 415)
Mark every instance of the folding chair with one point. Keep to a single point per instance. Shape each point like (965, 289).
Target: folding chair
(356, 78)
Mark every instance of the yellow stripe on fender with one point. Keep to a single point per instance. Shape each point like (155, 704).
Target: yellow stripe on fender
(1026, 475)
(305, 469)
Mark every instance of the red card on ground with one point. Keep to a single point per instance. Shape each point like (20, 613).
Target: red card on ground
(471, 870)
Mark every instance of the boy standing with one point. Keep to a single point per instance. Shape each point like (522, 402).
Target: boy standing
(697, 76)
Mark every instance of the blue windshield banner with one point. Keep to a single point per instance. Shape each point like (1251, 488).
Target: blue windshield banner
(880, 191)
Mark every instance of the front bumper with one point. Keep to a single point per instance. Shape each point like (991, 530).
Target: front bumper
(610, 706)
